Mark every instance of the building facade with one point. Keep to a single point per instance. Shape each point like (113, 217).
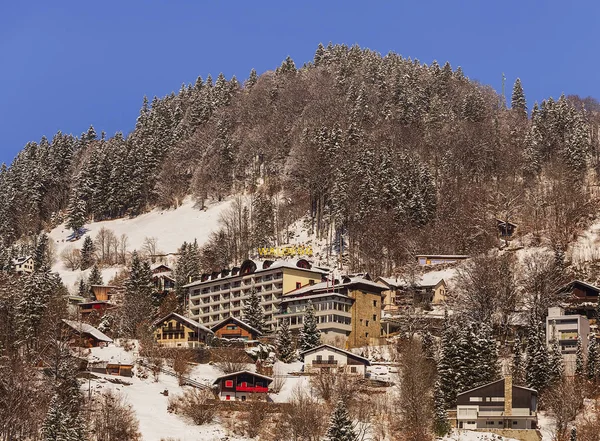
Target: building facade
(497, 405)
(348, 311)
(426, 289)
(566, 329)
(331, 359)
(177, 331)
(23, 265)
(243, 386)
(219, 295)
(233, 328)
(436, 259)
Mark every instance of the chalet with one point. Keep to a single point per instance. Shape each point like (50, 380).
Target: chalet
(111, 368)
(232, 327)
(84, 335)
(429, 288)
(163, 278)
(243, 386)
(497, 405)
(348, 311)
(178, 331)
(95, 307)
(103, 292)
(436, 259)
(23, 265)
(579, 297)
(506, 229)
(332, 359)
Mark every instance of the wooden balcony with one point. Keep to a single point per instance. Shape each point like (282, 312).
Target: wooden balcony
(252, 389)
(324, 363)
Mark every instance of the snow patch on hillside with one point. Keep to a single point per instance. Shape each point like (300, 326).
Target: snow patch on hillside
(170, 227)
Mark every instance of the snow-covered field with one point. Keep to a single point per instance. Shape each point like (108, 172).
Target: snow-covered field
(170, 227)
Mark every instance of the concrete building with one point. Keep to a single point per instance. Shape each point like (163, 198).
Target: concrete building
(566, 329)
(335, 360)
(348, 310)
(222, 294)
(497, 405)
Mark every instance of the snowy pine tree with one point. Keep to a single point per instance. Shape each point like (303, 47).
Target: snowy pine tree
(556, 365)
(95, 277)
(253, 312)
(517, 369)
(41, 254)
(283, 343)
(310, 336)
(592, 360)
(340, 425)
(76, 214)
(138, 308)
(579, 361)
(537, 369)
(517, 102)
(88, 250)
(441, 425)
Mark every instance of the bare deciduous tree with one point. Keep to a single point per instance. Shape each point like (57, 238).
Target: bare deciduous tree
(563, 401)
(71, 257)
(194, 404)
(112, 419)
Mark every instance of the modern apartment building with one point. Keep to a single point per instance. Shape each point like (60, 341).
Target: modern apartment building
(566, 329)
(222, 294)
(348, 310)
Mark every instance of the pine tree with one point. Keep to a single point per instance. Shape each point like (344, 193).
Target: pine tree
(573, 436)
(579, 362)
(253, 312)
(95, 277)
(592, 359)
(310, 336)
(87, 253)
(82, 289)
(40, 256)
(76, 214)
(283, 343)
(537, 367)
(517, 363)
(138, 302)
(252, 80)
(441, 425)
(555, 362)
(517, 102)
(340, 425)
(448, 363)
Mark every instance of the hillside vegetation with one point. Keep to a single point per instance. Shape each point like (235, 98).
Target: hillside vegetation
(388, 156)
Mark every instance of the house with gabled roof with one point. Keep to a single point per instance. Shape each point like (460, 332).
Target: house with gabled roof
(331, 359)
(177, 331)
(422, 289)
(579, 297)
(234, 328)
(84, 335)
(23, 264)
(497, 405)
(243, 386)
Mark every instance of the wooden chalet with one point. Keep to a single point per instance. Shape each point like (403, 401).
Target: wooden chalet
(243, 386)
(578, 297)
(331, 359)
(84, 335)
(506, 229)
(111, 368)
(232, 328)
(437, 259)
(178, 331)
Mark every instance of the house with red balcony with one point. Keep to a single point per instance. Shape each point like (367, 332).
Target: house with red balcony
(243, 386)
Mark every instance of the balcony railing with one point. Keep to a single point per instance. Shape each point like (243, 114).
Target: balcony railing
(324, 362)
(255, 389)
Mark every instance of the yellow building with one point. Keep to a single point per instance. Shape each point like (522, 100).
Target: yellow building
(425, 289)
(177, 331)
(348, 311)
(222, 294)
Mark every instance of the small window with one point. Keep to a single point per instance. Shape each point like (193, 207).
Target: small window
(243, 397)
(515, 423)
(374, 317)
(298, 285)
(228, 383)
(228, 397)
(475, 399)
(366, 334)
(311, 282)
(319, 357)
(374, 302)
(367, 323)
(491, 423)
(330, 358)
(353, 369)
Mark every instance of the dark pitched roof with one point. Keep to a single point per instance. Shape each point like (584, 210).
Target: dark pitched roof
(333, 348)
(494, 382)
(235, 374)
(236, 320)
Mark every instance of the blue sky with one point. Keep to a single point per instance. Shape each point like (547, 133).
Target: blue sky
(67, 64)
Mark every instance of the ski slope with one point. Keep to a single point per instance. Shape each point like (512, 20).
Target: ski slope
(170, 227)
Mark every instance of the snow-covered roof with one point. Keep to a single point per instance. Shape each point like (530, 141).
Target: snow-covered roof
(188, 321)
(235, 374)
(259, 269)
(445, 256)
(166, 274)
(330, 285)
(333, 348)
(158, 265)
(88, 329)
(422, 281)
(21, 260)
(238, 321)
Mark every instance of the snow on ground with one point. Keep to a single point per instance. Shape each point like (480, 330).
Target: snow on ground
(470, 435)
(291, 383)
(113, 354)
(546, 426)
(170, 227)
(587, 246)
(150, 406)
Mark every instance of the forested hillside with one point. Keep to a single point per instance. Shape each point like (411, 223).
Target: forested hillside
(394, 156)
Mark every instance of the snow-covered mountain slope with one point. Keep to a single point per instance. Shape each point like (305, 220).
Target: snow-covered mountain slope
(170, 227)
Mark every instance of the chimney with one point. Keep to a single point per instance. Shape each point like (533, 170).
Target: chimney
(508, 395)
